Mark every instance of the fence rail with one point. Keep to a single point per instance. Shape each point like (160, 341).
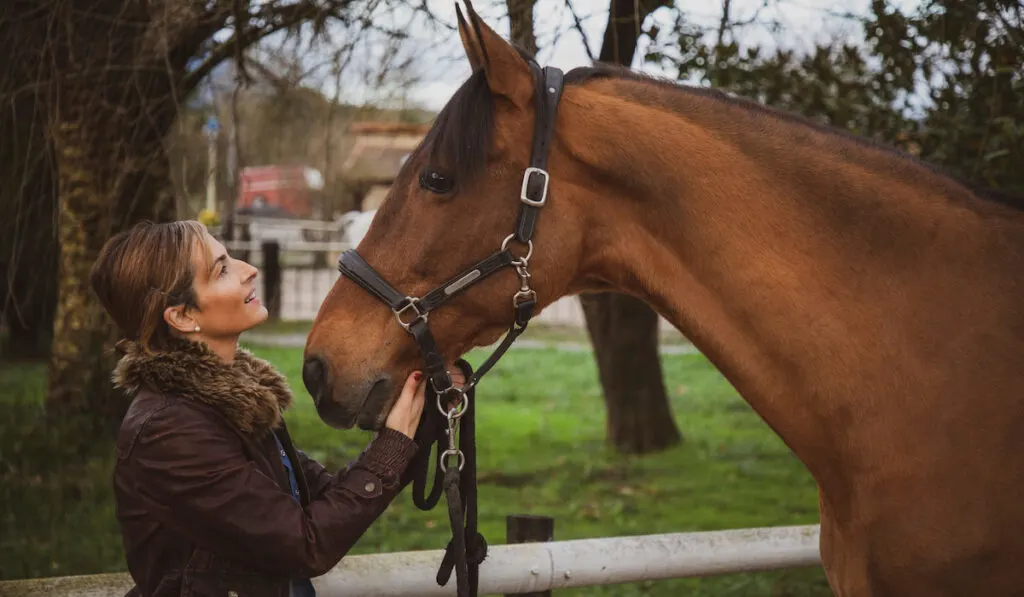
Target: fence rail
(528, 567)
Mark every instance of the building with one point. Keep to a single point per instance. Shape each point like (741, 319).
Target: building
(378, 152)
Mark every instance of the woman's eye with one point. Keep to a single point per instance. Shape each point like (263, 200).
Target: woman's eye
(436, 182)
(223, 271)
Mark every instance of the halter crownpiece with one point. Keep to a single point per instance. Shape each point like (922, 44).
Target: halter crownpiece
(468, 549)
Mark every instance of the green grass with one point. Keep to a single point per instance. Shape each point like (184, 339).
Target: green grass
(541, 449)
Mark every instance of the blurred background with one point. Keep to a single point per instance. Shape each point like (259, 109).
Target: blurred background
(281, 125)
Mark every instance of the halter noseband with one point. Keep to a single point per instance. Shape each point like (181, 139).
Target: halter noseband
(413, 313)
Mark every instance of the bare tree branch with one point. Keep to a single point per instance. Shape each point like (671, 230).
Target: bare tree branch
(271, 19)
(579, 27)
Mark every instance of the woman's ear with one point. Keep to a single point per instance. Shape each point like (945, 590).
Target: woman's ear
(180, 320)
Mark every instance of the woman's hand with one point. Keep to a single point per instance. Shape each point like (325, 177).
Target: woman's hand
(405, 414)
(408, 409)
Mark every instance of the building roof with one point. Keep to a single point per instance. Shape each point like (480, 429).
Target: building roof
(380, 149)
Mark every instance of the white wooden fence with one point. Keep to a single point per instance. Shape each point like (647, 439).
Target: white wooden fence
(522, 568)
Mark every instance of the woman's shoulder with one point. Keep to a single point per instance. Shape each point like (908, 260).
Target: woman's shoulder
(164, 419)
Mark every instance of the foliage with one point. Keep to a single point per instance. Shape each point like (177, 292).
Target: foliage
(542, 450)
(945, 82)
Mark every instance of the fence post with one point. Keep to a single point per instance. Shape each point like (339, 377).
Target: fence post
(240, 232)
(272, 278)
(526, 528)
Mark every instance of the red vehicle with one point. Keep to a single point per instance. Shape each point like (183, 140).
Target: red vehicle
(278, 191)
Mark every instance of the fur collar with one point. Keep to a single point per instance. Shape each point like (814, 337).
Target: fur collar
(249, 392)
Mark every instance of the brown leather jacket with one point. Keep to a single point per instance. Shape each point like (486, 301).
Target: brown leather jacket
(203, 498)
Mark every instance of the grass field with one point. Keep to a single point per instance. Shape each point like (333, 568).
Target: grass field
(540, 436)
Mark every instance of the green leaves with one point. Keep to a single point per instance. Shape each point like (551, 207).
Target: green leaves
(945, 81)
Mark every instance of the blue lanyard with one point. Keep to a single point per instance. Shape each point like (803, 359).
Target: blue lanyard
(301, 587)
(288, 465)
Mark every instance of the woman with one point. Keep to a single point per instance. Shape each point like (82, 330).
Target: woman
(212, 497)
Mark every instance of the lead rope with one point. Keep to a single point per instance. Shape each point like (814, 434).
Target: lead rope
(452, 428)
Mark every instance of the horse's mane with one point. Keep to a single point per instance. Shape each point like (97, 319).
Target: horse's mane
(462, 132)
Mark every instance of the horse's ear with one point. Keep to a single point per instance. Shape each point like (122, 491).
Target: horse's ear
(469, 42)
(508, 74)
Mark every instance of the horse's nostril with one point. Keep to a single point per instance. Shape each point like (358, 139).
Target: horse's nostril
(314, 376)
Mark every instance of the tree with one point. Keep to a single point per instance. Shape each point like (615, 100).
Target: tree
(944, 81)
(623, 329)
(110, 75)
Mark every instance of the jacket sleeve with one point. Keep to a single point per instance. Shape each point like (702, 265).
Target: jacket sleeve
(317, 477)
(191, 471)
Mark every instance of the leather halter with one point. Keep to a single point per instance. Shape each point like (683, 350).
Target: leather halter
(467, 549)
(413, 313)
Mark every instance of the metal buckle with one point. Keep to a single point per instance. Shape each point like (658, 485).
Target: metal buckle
(526, 183)
(412, 303)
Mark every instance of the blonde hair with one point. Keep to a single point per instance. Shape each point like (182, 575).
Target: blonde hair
(144, 270)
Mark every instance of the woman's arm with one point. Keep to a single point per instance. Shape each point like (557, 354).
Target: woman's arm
(191, 470)
(317, 477)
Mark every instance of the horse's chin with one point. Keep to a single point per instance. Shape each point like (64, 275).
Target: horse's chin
(368, 411)
(377, 405)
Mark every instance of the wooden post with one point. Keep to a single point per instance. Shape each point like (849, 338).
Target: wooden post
(526, 528)
(272, 278)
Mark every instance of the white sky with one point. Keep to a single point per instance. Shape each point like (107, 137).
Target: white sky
(441, 65)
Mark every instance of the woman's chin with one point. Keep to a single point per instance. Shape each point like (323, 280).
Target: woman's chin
(261, 314)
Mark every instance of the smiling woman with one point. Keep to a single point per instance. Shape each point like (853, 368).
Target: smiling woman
(212, 495)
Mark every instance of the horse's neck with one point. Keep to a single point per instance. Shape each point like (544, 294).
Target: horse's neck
(797, 265)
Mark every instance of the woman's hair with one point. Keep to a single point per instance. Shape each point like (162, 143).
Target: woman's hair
(142, 271)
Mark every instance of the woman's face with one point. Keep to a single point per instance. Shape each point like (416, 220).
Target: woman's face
(225, 293)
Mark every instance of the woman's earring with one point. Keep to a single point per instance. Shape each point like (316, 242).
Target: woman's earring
(197, 328)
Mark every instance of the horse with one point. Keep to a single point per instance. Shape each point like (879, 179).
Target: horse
(865, 304)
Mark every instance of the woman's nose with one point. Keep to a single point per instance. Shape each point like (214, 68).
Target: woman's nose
(253, 272)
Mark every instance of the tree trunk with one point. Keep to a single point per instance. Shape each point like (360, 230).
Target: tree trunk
(81, 358)
(520, 16)
(624, 332)
(100, 196)
(622, 32)
(623, 329)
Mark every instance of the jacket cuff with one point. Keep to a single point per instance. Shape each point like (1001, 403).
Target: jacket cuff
(389, 453)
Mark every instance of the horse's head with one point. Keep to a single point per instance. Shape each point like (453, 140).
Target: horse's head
(455, 201)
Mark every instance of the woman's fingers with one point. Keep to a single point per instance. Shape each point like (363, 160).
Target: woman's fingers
(405, 415)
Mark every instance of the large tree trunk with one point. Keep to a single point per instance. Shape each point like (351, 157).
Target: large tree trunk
(623, 329)
(112, 173)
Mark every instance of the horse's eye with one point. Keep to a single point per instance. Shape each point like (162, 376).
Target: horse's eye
(436, 182)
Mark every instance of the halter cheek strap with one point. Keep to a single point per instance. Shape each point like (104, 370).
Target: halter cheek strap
(467, 549)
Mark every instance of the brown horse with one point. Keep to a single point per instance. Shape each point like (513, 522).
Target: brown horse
(867, 306)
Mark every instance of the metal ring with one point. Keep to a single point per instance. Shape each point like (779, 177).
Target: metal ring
(529, 248)
(444, 459)
(460, 409)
